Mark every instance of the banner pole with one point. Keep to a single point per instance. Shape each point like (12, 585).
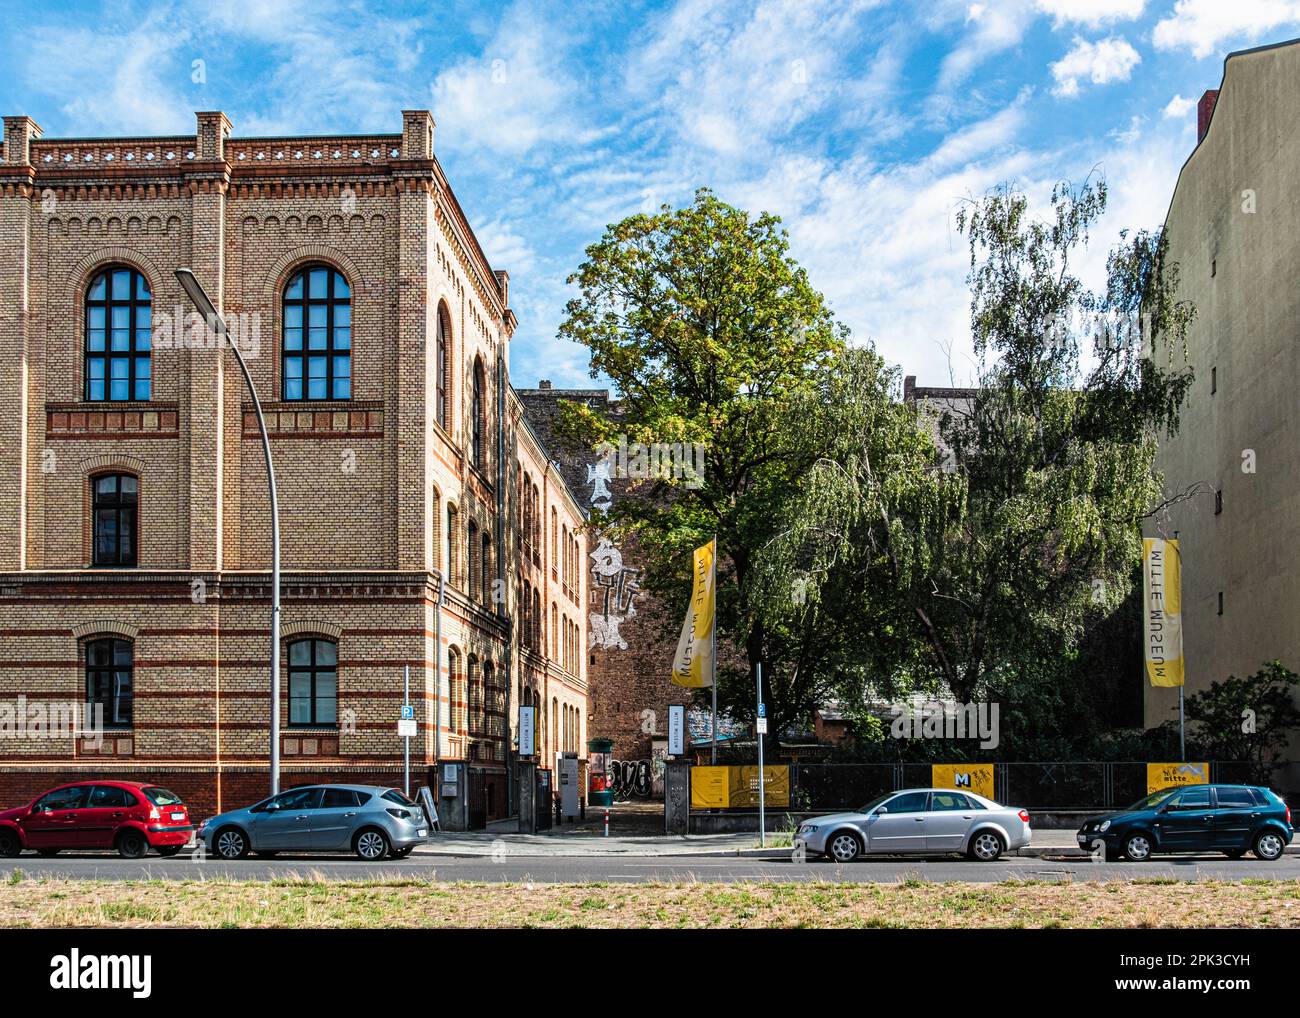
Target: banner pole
(713, 653)
(1182, 727)
(762, 789)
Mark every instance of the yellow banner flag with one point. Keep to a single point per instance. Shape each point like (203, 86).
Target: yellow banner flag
(1162, 606)
(693, 664)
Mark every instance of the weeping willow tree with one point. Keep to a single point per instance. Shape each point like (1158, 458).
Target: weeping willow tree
(980, 562)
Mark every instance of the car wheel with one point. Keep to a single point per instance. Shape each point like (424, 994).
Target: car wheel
(231, 843)
(10, 845)
(986, 846)
(401, 853)
(167, 851)
(370, 845)
(131, 845)
(844, 846)
(45, 853)
(1269, 846)
(1137, 847)
(1234, 853)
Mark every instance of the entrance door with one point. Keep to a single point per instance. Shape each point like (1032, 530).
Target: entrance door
(899, 824)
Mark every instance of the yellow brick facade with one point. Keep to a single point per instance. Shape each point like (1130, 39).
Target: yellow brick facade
(397, 548)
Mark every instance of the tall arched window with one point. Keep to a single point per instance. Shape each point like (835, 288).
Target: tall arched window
(525, 609)
(436, 543)
(475, 678)
(453, 575)
(471, 559)
(317, 345)
(442, 368)
(110, 680)
(119, 329)
(476, 411)
(455, 693)
(313, 682)
(538, 622)
(486, 566)
(115, 500)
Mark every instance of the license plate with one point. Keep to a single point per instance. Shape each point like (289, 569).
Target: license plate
(422, 832)
(1082, 840)
(178, 816)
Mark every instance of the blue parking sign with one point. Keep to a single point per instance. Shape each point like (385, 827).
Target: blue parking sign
(408, 712)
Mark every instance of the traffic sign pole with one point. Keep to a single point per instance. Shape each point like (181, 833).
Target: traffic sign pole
(406, 741)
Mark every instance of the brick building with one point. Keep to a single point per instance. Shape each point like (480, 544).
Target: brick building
(631, 638)
(134, 537)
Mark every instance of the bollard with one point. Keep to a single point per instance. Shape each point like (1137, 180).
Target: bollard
(607, 821)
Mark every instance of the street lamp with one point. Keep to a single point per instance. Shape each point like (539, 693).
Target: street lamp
(194, 290)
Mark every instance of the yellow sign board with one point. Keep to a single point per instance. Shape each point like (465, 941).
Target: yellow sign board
(971, 777)
(1166, 775)
(730, 787)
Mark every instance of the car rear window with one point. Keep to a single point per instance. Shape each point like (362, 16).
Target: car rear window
(336, 797)
(109, 796)
(393, 795)
(1234, 796)
(363, 798)
(161, 796)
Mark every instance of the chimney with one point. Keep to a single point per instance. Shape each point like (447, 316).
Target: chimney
(19, 134)
(909, 385)
(545, 383)
(1204, 111)
(417, 134)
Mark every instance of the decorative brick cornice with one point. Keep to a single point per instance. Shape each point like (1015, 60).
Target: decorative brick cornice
(105, 627)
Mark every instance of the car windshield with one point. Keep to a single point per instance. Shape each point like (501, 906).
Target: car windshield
(1151, 800)
(875, 802)
(162, 797)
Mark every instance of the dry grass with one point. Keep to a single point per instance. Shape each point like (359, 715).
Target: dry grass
(312, 902)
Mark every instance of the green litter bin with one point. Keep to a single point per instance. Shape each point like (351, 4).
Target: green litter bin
(600, 784)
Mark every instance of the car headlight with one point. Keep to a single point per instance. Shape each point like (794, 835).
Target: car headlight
(1104, 825)
(807, 828)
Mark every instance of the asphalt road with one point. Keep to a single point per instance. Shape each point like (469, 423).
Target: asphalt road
(636, 869)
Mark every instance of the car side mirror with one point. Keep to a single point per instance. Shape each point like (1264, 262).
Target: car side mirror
(271, 807)
(882, 809)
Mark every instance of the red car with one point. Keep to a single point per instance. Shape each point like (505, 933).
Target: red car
(129, 816)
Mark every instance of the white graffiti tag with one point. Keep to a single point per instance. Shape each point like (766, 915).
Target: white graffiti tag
(614, 592)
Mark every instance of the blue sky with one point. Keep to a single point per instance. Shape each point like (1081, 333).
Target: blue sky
(862, 123)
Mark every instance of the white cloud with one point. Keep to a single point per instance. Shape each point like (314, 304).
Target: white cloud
(1091, 12)
(988, 28)
(1101, 62)
(1202, 26)
(515, 95)
(1179, 107)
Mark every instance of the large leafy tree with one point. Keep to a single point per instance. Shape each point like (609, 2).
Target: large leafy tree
(713, 335)
(1055, 452)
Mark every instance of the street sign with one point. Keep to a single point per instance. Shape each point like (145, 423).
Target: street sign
(527, 730)
(677, 729)
(762, 726)
(406, 728)
(408, 712)
(762, 710)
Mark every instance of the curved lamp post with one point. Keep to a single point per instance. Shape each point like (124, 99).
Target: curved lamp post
(194, 290)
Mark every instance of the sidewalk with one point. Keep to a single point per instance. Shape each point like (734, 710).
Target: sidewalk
(581, 840)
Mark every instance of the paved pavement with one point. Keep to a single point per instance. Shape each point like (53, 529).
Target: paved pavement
(773, 866)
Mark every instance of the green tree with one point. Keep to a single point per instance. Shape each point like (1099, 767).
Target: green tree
(711, 333)
(1247, 719)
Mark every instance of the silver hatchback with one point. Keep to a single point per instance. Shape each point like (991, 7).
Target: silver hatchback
(370, 820)
(921, 821)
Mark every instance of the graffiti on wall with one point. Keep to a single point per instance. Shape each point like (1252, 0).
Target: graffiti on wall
(614, 591)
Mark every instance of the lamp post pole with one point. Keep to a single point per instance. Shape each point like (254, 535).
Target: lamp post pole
(194, 290)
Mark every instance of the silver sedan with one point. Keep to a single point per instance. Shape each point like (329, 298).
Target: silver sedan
(370, 820)
(921, 821)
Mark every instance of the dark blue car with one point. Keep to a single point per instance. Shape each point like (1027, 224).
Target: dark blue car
(1194, 818)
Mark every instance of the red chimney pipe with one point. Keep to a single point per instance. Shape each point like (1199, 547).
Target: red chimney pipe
(1204, 111)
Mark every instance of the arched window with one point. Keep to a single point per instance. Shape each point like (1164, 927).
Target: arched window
(475, 698)
(110, 680)
(486, 566)
(555, 547)
(115, 500)
(313, 682)
(119, 333)
(455, 692)
(555, 629)
(442, 368)
(476, 411)
(317, 345)
(471, 558)
(452, 574)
